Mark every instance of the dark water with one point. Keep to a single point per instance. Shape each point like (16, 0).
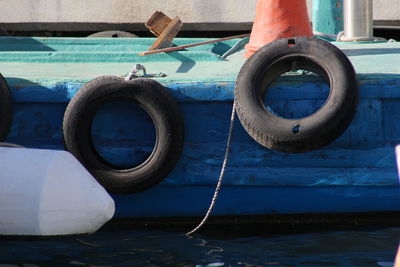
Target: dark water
(372, 247)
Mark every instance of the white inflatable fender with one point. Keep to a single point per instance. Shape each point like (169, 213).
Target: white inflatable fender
(48, 192)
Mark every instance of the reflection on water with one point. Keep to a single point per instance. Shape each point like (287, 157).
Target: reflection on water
(155, 248)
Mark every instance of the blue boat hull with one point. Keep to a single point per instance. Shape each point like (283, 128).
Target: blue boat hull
(354, 174)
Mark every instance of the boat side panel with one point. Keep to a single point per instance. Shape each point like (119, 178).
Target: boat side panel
(361, 157)
(194, 200)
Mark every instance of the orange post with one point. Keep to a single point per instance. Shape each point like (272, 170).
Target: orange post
(276, 19)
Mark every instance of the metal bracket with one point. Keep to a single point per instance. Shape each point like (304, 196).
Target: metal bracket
(138, 67)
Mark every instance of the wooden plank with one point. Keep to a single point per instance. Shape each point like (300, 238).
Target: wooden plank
(166, 37)
(157, 23)
(175, 48)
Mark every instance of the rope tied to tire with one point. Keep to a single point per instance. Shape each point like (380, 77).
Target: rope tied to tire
(250, 125)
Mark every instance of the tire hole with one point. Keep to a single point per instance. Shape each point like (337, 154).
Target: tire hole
(295, 94)
(296, 129)
(130, 140)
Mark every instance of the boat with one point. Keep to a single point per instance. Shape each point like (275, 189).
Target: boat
(353, 172)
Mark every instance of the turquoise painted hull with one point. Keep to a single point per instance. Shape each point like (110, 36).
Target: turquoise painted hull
(354, 174)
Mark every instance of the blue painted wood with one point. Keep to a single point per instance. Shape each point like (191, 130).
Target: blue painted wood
(375, 87)
(205, 122)
(234, 200)
(391, 121)
(360, 157)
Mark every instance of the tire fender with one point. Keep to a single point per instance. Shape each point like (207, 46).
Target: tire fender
(304, 134)
(5, 108)
(155, 99)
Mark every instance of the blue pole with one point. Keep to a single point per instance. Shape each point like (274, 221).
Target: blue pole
(328, 16)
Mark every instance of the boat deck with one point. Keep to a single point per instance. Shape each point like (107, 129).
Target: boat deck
(64, 64)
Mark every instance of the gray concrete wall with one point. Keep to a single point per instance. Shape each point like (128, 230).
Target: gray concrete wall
(124, 11)
(196, 14)
(387, 12)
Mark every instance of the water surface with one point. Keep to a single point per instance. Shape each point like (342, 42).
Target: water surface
(369, 247)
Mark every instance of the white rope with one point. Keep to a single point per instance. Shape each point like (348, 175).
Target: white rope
(221, 175)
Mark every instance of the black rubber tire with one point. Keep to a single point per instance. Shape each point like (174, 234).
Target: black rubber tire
(155, 99)
(304, 134)
(5, 108)
(112, 34)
